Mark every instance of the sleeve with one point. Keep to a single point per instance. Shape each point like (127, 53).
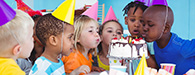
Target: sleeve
(188, 48)
(71, 63)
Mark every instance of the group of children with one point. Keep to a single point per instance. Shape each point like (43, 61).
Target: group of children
(77, 43)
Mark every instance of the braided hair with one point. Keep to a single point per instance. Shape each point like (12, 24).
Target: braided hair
(135, 4)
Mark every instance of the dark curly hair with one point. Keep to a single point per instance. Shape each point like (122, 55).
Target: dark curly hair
(135, 4)
(49, 25)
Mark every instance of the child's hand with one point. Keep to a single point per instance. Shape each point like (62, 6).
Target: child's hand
(82, 69)
(99, 69)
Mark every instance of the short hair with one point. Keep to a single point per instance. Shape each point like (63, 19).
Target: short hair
(135, 4)
(79, 24)
(19, 25)
(49, 25)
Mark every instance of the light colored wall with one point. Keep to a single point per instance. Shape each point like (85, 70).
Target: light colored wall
(184, 13)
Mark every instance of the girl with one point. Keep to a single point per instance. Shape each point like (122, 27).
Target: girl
(86, 40)
(109, 30)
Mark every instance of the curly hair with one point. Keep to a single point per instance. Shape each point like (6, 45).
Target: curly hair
(49, 25)
(135, 4)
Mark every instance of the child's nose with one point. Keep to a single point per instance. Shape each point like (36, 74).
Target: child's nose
(96, 34)
(137, 24)
(145, 28)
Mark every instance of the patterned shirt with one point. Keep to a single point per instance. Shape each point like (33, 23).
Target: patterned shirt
(44, 66)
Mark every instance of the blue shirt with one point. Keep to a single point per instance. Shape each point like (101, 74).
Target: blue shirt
(178, 51)
(44, 66)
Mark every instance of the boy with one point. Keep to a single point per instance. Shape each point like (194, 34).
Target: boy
(16, 45)
(168, 47)
(133, 20)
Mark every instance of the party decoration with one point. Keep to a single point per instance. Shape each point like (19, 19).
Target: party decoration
(6, 13)
(65, 11)
(147, 2)
(92, 11)
(110, 15)
(159, 2)
(22, 6)
(141, 66)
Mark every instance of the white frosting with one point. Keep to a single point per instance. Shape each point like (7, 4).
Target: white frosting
(141, 41)
(118, 50)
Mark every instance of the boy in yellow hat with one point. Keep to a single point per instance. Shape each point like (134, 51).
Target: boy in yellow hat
(55, 32)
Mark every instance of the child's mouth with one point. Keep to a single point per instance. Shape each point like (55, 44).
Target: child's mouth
(98, 40)
(135, 32)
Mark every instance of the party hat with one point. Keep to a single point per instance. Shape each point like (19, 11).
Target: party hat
(92, 11)
(22, 6)
(110, 15)
(6, 13)
(65, 11)
(141, 66)
(147, 2)
(159, 2)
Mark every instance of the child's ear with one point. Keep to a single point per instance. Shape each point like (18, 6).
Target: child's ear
(53, 40)
(126, 19)
(167, 28)
(16, 50)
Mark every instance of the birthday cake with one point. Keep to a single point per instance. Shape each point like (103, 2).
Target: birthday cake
(128, 48)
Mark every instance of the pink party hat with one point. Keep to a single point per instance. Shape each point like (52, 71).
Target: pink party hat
(110, 15)
(147, 2)
(92, 11)
(159, 2)
(6, 13)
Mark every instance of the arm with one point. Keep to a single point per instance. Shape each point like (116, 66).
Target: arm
(151, 61)
(82, 69)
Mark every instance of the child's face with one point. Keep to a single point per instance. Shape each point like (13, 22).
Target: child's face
(153, 27)
(68, 41)
(89, 37)
(134, 21)
(28, 44)
(111, 30)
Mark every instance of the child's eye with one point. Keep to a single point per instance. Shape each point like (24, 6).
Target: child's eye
(142, 21)
(90, 30)
(119, 33)
(132, 20)
(144, 24)
(110, 31)
(150, 25)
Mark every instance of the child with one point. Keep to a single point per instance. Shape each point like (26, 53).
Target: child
(109, 30)
(38, 47)
(168, 47)
(26, 63)
(50, 30)
(86, 40)
(134, 20)
(16, 42)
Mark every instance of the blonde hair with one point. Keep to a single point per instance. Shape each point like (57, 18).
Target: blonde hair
(79, 25)
(19, 26)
